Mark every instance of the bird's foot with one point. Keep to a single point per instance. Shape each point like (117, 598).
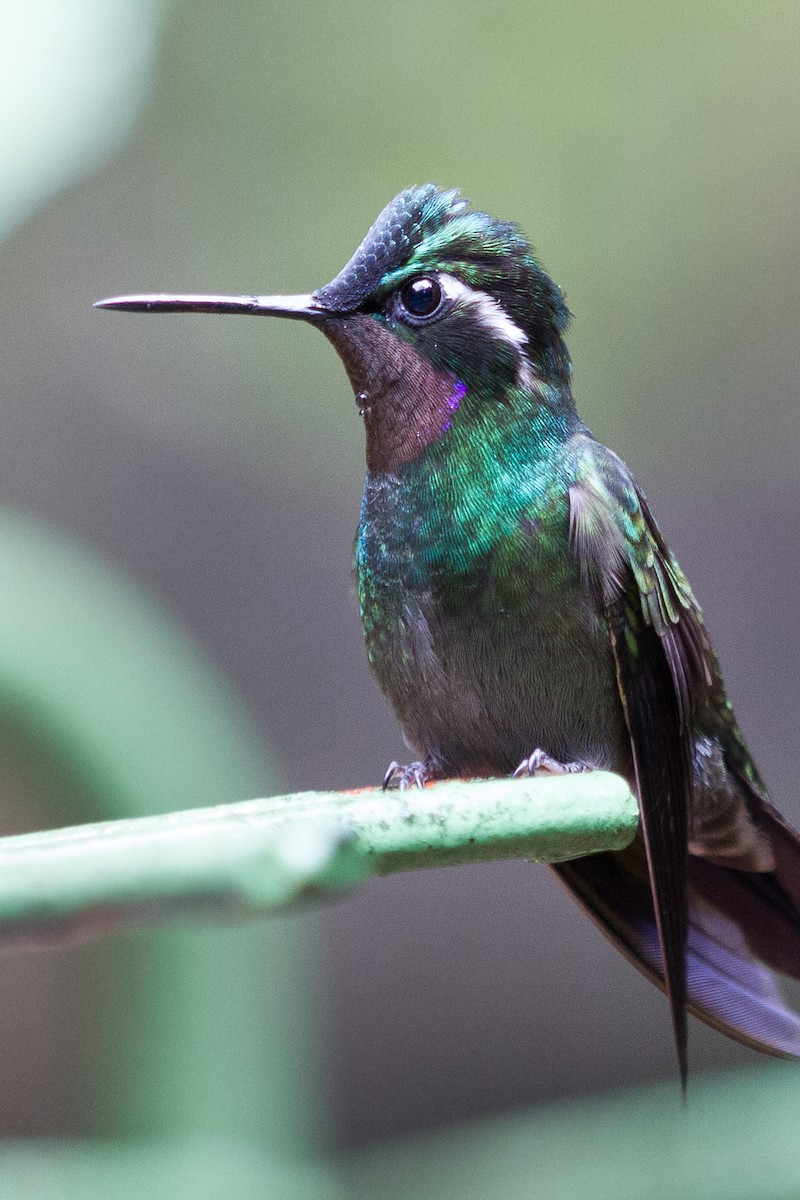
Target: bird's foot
(415, 774)
(540, 763)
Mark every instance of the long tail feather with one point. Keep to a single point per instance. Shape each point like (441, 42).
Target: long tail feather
(726, 987)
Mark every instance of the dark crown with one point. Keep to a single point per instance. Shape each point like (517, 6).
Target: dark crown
(428, 229)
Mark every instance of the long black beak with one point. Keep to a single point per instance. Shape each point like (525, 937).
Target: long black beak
(299, 308)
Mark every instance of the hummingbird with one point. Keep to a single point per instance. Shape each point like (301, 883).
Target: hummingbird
(523, 613)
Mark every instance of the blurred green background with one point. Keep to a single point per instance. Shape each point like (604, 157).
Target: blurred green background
(650, 151)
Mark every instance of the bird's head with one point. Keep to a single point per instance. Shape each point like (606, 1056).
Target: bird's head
(441, 315)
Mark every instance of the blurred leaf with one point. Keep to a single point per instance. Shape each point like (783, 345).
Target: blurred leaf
(73, 77)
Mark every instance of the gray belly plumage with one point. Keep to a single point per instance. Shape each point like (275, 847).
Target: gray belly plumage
(477, 692)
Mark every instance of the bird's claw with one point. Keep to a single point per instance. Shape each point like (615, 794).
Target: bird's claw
(540, 763)
(415, 774)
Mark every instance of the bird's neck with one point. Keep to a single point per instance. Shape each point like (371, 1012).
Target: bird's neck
(474, 485)
(419, 417)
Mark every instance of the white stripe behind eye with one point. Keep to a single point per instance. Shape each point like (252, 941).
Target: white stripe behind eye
(495, 320)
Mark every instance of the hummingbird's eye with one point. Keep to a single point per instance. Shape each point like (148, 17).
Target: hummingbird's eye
(421, 297)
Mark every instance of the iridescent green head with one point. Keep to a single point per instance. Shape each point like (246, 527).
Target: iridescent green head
(440, 315)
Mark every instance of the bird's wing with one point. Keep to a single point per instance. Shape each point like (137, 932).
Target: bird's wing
(664, 670)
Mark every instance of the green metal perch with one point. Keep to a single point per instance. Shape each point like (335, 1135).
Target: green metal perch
(251, 858)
